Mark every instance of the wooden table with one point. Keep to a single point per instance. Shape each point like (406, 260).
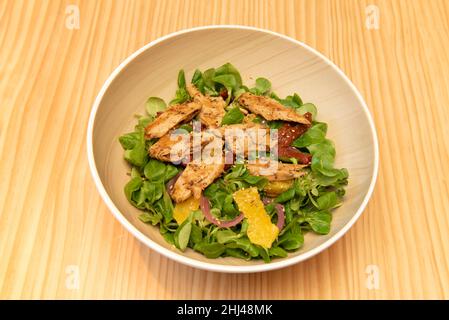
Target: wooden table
(58, 239)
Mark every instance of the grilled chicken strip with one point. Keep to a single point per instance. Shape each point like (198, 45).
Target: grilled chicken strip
(243, 126)
(171, 148)
(194, 179)
(174, 115)
(174, 147)
(270, 109)
(245, 137)
(200, 172)
(212, 108)
(276, 171)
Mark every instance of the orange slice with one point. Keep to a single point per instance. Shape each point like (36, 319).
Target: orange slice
(260, 229)
(183, 209)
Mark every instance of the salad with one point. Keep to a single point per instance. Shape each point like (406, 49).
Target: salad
(230, 170)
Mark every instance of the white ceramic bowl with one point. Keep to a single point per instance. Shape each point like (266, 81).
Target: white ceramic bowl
(290, 65)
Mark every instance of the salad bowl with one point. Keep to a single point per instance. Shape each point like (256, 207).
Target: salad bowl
(290, 65)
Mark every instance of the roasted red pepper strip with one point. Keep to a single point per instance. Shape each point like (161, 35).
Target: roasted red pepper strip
(224, 94)
(288, 133)
(292, 152)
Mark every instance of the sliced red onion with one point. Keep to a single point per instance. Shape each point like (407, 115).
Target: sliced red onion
(281, 215)
(172, 182)
(267, 200)
(205, 208)
(232, 223)
(279, 209)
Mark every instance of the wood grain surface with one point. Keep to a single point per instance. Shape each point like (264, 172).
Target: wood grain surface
(57, 238)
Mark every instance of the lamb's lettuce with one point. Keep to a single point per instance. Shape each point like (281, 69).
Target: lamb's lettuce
(308, 203)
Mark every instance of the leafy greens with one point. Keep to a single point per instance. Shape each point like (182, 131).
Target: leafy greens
(308, 202)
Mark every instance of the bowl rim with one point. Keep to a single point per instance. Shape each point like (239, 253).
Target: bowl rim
(179, 257)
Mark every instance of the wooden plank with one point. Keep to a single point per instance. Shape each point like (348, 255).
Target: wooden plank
(53, 222)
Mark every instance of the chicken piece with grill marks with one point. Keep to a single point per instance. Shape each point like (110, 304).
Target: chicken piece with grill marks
(212, 108)
(270, 109)
(170, 118)
(176, 147)
(179, 146)
(246, 138)
(276, 171)
(196, 177)
(171, 148)
(199, 174)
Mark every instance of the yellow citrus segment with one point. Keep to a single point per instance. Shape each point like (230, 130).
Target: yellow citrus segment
(260, 229)
(183, 209)
(275, 188)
